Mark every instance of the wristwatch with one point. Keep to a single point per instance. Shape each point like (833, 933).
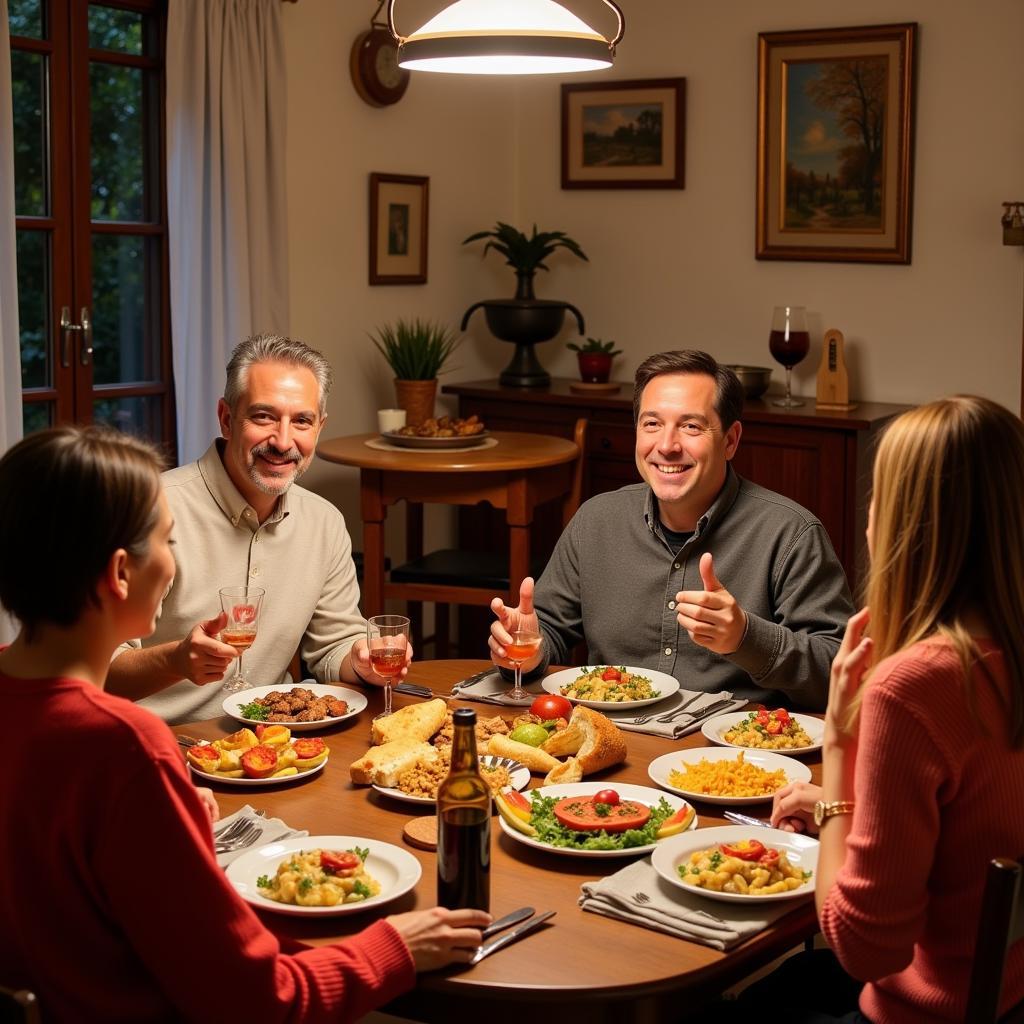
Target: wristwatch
(825, 809)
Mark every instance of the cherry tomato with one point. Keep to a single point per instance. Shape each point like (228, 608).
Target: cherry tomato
(762, 717)
(551, 705)
(774, 727)
(745, 849)
(769, 858)
(606, 796)
(339, 862)
(611, 675)
(782, 715)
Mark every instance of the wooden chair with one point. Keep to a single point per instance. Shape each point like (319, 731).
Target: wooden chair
(454, 576)
(18, 1006)
(1000, 925)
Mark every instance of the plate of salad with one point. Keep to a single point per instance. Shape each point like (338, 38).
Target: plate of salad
(594, 819)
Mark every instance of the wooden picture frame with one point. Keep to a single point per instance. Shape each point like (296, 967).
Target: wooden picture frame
(835, 117)
(624, 134)
(399, 206)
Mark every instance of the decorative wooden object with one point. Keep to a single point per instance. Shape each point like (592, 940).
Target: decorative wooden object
(833, 380)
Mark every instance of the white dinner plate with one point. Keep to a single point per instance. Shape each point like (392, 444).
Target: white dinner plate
(234, 702)
(519, 776)
(715, 728)
(801, 851)
(395, 869)
(659, 768)
(665, 685)
(641, 794)
(223, 780)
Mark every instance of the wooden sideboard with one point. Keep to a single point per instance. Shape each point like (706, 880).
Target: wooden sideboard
(820, 459)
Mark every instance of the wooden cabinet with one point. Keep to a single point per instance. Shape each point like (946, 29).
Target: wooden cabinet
(820, 459)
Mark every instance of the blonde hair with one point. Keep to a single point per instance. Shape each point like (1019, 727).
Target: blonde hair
(948, 536)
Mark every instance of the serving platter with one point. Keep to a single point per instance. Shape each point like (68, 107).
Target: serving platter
(234, 702)
(660, 767)
(626, 791)
(284, 780)
(519, 776)
(396, 869)
(410, 441)
(665, 684)
(801, 851)
(715, 728)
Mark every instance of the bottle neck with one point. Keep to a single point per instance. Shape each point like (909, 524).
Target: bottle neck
(464, 749)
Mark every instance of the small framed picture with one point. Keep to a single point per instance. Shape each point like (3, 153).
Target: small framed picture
(398, 228)
(835, 116)
(624, 134)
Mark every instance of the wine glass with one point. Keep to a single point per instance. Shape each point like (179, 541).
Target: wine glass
(387, 637)
(525, 644)
(242, 607)
(789, 343)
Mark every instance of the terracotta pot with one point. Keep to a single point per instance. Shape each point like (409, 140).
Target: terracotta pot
(595, 367)
(416, 397)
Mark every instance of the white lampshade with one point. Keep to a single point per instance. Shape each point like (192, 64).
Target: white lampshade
(506, 37)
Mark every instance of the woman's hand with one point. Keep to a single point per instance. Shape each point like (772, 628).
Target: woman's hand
(848, 669)
(793, 807)
(209, 802)
(439, 937)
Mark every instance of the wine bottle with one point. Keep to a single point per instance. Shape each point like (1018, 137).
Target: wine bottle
(464, 824)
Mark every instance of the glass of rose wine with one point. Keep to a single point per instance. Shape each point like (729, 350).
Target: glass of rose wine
(789, 343)
(387, 637)
(525, 644)
(242, 607)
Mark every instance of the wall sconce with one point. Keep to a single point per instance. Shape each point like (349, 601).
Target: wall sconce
(1013, 223)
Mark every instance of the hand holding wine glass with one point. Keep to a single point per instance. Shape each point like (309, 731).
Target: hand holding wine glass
(522, 617)
(241, 607)
(789, 343)
(387, 640)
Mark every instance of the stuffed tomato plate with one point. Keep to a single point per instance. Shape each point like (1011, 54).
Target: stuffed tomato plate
(611, 687)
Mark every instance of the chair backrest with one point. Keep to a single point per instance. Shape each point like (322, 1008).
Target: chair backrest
(572, 501)
(18, 1006)
(1000, 925)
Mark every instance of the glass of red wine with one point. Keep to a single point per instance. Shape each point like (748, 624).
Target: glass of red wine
(788, 343)
(387, 637)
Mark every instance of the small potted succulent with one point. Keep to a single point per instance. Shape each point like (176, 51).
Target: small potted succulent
(595, 358)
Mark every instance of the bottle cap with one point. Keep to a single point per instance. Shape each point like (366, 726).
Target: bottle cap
(464, 716)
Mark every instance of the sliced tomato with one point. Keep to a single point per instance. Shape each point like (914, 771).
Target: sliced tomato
(307, 748)
(774, 727)
(769, 858)
(340, 862)
(611, 675)
(745, 849)
(582, 814)
(763, 718)
(782, 715)
(259, 762)
(606, 796)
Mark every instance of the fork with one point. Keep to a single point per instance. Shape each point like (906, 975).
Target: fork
(249, 834)
(644, 719)
(225, 831)
(641, 898)
(697, 716)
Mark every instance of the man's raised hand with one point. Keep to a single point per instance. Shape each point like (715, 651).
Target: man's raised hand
(711, 616)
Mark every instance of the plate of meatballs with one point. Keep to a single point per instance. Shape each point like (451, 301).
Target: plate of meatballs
(301, 708)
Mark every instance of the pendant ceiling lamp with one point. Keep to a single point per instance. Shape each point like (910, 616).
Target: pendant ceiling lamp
(506, 37)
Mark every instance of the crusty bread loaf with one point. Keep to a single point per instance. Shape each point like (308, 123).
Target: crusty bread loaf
(415, 722)
(383, 764)
(595, 740)
(564, 772)
(534, 758)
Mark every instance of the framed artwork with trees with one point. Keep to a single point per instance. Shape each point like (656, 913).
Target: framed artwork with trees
(835, 146)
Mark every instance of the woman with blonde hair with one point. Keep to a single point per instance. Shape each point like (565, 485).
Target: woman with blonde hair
(923, 758)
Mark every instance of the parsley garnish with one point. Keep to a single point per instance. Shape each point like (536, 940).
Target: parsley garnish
(602, 810)
(263, 882)
(716, 859)
(305, 885)
(362, 852)
(361, 889)
(255, 712)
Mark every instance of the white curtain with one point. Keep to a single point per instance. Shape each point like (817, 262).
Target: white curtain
(226, 139)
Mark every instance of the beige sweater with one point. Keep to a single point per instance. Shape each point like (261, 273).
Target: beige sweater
(301, 556)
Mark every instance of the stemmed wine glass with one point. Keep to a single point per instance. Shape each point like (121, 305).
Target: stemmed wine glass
(242, 607)
(387, 637)
(525, 644)
(789, 343)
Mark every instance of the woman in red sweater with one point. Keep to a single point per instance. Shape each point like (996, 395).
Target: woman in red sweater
(112, 903)
(923, 757)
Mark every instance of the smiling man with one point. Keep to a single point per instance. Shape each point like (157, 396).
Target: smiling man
(239, 520)
(694, 572)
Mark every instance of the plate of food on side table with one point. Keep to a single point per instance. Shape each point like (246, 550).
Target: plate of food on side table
(778, 730)
(419, 784)
(594, 819)
(611, 687)
(264, 757)
(302, 708)
(732, 863)
(323, 876)
(723, 775)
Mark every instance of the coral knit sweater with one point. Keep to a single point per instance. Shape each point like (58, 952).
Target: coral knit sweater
(112, 905)
(938, 794)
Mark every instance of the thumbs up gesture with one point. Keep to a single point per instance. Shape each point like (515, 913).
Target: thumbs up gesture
(711, 616)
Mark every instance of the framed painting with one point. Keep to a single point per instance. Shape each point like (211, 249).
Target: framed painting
(398, 229)
(835, 118)
(624, 134)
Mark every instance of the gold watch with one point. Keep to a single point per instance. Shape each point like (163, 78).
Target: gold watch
(825, 809)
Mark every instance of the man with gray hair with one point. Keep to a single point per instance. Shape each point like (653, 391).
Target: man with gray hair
(238, 520)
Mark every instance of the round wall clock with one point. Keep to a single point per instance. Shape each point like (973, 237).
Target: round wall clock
(374, 65)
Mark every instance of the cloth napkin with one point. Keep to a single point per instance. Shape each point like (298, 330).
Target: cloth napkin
(490, 689)
(689, 721)
(674, 911)
(271, 829)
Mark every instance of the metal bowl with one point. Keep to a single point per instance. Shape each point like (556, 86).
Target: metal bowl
(755, 379)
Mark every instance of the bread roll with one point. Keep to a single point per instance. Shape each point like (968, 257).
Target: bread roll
(534, 758)
(595, 740)
(564, 772)
(416, 722)
(382, 765)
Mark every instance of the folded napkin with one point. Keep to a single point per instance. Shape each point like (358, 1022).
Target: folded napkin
(689, 720)
(491, 688)
(271, 829)
(674, 911)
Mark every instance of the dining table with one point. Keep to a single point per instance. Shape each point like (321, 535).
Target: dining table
(607, 969)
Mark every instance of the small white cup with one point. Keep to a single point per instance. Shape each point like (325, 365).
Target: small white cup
(390, 420)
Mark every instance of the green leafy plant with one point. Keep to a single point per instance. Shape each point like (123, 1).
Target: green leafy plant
(526, 254)
(415, 349)
(596, 345)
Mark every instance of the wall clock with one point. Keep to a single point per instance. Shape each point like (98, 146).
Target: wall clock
(374, 65)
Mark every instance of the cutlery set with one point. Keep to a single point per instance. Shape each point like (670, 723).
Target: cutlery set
(493, 941)
(680, 712)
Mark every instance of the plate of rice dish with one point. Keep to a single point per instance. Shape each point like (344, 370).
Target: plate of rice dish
(766, 730)
(720, 775)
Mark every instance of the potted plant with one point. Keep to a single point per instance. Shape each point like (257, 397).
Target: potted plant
(595, 358)
(417, 351)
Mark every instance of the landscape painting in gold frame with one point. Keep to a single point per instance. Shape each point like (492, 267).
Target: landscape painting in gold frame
(835, 115)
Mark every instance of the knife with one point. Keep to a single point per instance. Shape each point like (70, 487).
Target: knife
(744, 819)
(188, 741)
(522, 914)
(501, 941)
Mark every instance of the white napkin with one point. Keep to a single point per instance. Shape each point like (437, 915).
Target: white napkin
(271, 829)
(492, 687)
(674, 911)
(687, 722)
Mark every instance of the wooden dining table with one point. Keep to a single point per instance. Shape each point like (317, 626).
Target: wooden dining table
(607, 969)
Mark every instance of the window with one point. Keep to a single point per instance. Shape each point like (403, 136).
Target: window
(90, 200)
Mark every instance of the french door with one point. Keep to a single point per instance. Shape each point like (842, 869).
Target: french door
(90, 203)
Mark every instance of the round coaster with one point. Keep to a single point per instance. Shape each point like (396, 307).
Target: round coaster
(421, 832)
(582, 387)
